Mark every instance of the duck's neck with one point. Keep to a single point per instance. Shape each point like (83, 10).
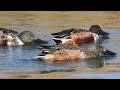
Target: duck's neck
(96, 37)
(19, 42)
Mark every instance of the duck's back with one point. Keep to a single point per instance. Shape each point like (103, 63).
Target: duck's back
(8, 31)
(68, 32)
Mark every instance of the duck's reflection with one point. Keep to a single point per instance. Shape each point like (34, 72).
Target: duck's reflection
(95, 63)
(91, 63)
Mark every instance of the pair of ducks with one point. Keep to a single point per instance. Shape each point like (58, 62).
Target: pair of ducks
(76, 44)
(72, 44)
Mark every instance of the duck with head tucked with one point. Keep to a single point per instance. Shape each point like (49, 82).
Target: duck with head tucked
(95, 30)
(11, 37)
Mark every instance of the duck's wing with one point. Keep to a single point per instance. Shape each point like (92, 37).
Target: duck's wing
(54, 48)
(68, 32)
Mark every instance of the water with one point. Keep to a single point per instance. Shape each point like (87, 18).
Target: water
(17, 61)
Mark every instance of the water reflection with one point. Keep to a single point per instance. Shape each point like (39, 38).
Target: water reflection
(97, 62)
(90, 63)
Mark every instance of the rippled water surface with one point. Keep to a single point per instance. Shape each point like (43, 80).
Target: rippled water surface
(17, 61)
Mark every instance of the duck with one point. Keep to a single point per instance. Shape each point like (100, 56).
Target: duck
(62, 36)
(11, 37)
(79, 39)
(71, 53)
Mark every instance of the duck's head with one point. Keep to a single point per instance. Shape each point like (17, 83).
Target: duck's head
(96, 29)
(29, 37)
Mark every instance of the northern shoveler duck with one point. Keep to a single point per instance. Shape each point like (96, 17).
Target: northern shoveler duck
(78, 39)
(11, 37)
(69, 52)
(65, 34)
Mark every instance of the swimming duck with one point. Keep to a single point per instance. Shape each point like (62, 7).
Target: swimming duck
(78, 39)
(65, 34)
(11, 37)
(69, 52)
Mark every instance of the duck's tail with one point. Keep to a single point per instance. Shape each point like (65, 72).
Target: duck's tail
(46, 57)
(38, 57)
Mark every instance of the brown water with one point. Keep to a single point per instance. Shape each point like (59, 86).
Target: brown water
(17, 62)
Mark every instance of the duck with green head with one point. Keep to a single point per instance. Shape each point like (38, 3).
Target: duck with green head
(28, 37)
(11, 37)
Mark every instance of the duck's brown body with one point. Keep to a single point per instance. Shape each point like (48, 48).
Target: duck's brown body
(65, 54)
(69, 52)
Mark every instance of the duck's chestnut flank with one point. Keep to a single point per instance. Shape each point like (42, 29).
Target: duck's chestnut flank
(82, 38)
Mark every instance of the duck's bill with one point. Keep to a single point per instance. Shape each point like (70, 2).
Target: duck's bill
(109, 53)
(104, 33)
(37, 40)
(103, 37)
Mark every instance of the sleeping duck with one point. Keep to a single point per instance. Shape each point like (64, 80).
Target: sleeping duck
(60, 37)
(11, 37)
(69, 52)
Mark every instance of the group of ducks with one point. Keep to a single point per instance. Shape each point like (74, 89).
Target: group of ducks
(71, 44)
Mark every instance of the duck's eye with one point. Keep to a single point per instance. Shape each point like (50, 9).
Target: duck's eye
(71, 33)
(99, 30)
(29, 35)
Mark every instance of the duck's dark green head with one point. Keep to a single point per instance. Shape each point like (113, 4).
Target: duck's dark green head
(96, 29)
(29, 37)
